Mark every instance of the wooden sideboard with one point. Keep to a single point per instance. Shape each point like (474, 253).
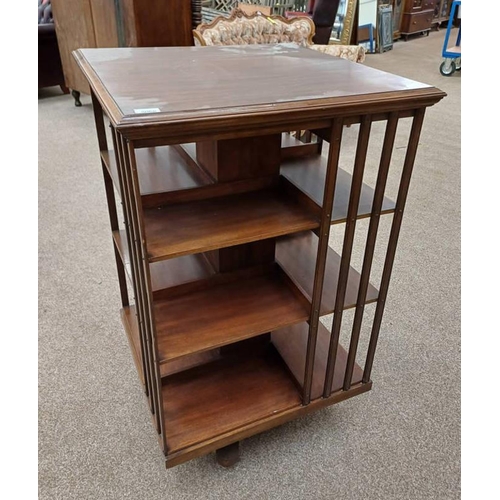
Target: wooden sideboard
(417, 17)
(223, 260)
(119, 23)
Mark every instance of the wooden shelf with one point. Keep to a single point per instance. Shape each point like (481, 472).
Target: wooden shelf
(291, 343)
(162, 169)
(210, 400)
(226, 313)
(308, 174)
(200, 226)
(175, 168)
(296, 254)
(168, 274)
(129, 320)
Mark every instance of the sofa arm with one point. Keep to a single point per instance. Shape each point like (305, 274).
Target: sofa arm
(355, 53)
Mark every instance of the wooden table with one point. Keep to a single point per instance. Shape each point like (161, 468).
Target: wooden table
(226, 224)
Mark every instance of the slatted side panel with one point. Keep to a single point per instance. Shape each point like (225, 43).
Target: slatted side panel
(369, 248)
(110, 196)
(378, 199)
(335, 141)
(144, 288)
(393, 237)
(130, 230)
(350, 227)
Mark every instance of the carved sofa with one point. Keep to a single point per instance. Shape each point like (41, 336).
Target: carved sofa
(243, 29)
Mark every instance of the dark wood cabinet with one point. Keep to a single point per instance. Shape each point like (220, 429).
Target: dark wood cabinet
(417, 17)
(441, 12)
(119, 23)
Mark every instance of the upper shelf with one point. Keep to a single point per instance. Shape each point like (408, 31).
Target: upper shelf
(163, 169)
(309, 174)
(201, 226)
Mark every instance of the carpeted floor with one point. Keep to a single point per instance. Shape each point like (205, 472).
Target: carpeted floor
(399, 441)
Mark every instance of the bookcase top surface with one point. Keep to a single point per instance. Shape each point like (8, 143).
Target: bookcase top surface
(141, 85)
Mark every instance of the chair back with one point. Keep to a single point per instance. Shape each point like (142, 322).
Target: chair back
(243, 29)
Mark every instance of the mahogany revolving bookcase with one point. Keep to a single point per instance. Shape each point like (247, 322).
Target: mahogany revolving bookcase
(222, 258)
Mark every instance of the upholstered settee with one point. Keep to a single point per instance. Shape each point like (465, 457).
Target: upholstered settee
(242, 29)
(50, 70)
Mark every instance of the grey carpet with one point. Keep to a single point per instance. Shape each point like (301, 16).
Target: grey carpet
(399, 441)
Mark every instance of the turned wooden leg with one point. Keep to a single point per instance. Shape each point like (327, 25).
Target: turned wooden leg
(64, 89)
(76, 97)
(229, 455)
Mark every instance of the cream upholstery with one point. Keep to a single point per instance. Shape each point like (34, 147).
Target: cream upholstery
(241, 29)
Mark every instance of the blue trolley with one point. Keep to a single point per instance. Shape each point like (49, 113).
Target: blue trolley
(452, 53)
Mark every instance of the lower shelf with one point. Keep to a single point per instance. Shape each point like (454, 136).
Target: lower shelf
(238, 396)
(211, 399)
(218, 397)
(291, 343)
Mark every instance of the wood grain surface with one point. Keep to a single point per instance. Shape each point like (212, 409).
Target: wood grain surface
(259, 84)
(296, 254)
(205, 402)
(308, 174)
(291, 343)
(205, 225)
(226, 313)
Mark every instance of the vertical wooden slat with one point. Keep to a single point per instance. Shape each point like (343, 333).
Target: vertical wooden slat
(393, 237)
(324, 233)
(319, 144)
(352, 211)
(122, 278)
(110, 196)
(124, 188)
(148, 294)
(99, 122)
(136, 251)
(378, 198)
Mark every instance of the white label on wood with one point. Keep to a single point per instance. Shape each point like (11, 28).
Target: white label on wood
(147, 110)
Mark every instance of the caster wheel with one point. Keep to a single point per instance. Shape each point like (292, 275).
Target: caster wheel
(458, 63)
(447, 68)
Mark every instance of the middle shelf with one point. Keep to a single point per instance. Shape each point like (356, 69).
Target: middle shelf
(226, 313)
(224, 308)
